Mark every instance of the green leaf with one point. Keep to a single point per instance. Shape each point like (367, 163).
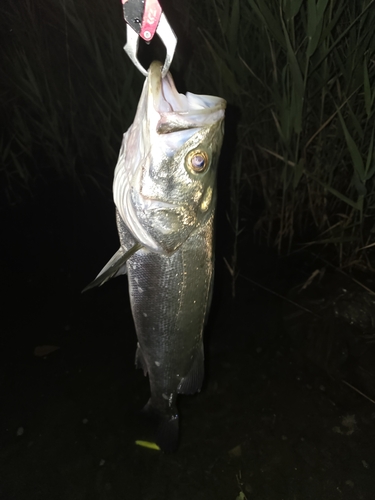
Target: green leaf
(298, 87)
(294, 66)
(311, 18)
(371, 172)
(370, 156)
(315, 24)
(224, 17)
(291, 8)
(367, 89)
(226, 73)
(314, 39)
(298, 172)
(268, 20)
(353, 150)
(336, 193)
(320, 8)
(359, 185)
(286, 175)
(354, 119)
(233, 27)
(344, 32)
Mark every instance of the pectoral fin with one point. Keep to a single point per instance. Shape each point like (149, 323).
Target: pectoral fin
(114, 267)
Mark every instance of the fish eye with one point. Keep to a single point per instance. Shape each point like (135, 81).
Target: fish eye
(197, 160)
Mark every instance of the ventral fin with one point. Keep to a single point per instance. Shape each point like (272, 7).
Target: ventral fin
(192, 383)
(114, 267)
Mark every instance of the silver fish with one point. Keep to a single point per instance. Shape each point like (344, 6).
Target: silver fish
(164, 191)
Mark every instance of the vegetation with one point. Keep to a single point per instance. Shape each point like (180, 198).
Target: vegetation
(68, 88)
(301, 73)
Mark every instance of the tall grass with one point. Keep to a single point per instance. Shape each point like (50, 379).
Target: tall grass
(68, 90)
(301, 74)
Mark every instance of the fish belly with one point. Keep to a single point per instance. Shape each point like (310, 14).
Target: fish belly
(169, 298)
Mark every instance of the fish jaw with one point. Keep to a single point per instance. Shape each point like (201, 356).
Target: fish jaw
(161, 201)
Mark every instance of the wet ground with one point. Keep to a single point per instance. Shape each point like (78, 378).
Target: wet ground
(269, 424)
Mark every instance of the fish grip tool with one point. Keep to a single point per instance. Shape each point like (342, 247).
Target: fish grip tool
(144, 18)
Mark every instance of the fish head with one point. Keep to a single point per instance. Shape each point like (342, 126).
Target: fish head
(165, 178)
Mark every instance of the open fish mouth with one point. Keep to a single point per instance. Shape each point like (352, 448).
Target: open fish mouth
(180, 111)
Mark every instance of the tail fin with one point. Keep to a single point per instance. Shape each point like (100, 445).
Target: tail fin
(165, 428)
(168, 433)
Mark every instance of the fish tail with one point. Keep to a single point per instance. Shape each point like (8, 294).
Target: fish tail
(166, 428)
(168, 433)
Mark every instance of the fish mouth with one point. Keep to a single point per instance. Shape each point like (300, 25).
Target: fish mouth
(180, 111)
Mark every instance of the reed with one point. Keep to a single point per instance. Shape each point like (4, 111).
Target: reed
(303, 76)
(68, 90)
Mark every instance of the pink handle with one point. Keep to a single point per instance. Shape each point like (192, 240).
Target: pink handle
(151, 18)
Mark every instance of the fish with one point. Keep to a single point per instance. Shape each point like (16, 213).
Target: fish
(164, 190)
